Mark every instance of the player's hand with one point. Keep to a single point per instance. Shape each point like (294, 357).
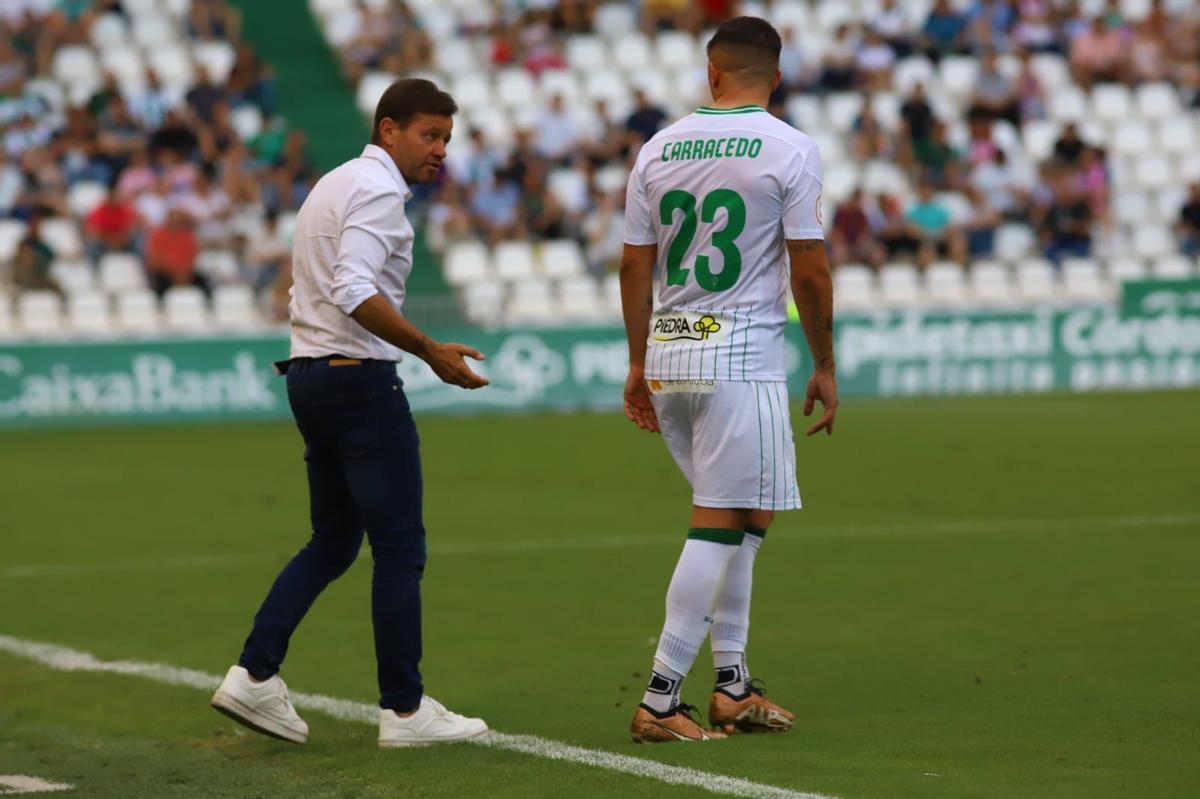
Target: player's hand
(638, 408)
(822, 387)
(448, 362)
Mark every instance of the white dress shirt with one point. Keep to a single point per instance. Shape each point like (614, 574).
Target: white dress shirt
(352, 241)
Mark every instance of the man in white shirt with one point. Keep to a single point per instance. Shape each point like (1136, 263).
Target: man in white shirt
(352, 254)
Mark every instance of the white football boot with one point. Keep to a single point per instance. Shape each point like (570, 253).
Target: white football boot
(431, 724)
(262, 706)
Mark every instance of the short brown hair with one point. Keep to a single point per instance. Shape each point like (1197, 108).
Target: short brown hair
(406, 98)
(747, 44)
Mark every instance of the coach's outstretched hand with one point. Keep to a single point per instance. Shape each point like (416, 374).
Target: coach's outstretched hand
(638, 407)
(822, 387)
(448, 362)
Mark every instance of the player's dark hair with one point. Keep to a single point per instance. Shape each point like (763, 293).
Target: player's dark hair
(406, 98)
(747, 44)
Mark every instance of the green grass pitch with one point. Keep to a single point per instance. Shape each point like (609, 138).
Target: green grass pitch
(992, 597)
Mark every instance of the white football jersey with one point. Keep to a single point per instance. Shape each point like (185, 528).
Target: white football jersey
(719, 192)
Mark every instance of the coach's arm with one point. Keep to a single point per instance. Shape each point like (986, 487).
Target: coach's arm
(637, 304)
(812, 289)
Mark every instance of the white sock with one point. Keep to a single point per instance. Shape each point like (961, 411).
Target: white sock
(690, 597)
(731, 618)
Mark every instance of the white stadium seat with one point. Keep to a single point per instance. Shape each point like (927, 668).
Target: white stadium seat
(899, 284)
(1112, 102)
(219, 266)
(634, 53)
(531, 302)
(676, 50)
(854, 288)
(1172, 267)
(945, 284)
(62, 235)
(6, 319)
(11, 233)
(108, 31)
(137, 311)
(1131, 137)
(88, 313)
(1177, 134)
(562, 258)
(185, 309)
(121, 272)
(154, 31)
(579, 299)
(39, 313)
(73, 276)
(586, 53)
(466, 262)
(991, 283)
(1152, 241)
(614, 21)
(1035, 280)
(217, 57)
(1124, 269)
(234, 308)
(1014, 241)
(247, 121)
(1070, 105)
(1082, 280)
(483, 302)
(515, 87)
(514, 261)
(1157, 100)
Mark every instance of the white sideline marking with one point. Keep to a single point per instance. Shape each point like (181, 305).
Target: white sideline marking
(649, 540)
(65, 659)
(11, 784)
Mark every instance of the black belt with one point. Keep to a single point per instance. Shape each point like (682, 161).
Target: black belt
(281, 367)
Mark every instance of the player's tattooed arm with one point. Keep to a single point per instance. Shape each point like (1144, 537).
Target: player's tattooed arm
(812, 289)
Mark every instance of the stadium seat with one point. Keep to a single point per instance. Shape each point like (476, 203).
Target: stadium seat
(579, 300)
(178, 9)
(1132, 207)
(841, 179)
(531, 302)
(562, 258)
(991, 283)
(1178, 134)
(585, 53)
(1121, 270)
(466, 263)
(1155, 171)
(1172, 266)
(611, 293)
(185, 309)
(957, 75)
(6, 319)
(676, 50)
(87, 313)
(842, 109)
(1151, 241)
(1070, 105)
(911, 71)
(854, 288)
(152, 32)
(790, 14)
(1157, 100)
(1168, 201)
(234, 308)
(108, 31)
(804, 111)
(945, 284)
(219, 266)
(608, 85)
(1111, 102)
(74, 64)
(612, 179)
(173, 65)
(514, 261)
(1013, 241)
(342, 27)
(1035, 280)
(72, 276)
(120, 272)
(1052, 72)
(1082, 281)
(39, 313)
(473, 89)
(633, 53)
(62, 235)
(483, 302)
(11, 233)
(84, 196)
(1131, 137)
(137, 312)
(515, 87)
(561, 82)
(370, 88)
(455, 55)
(899, 285)
(570, 188)
(614, 21)
(247, 121)
(655, 84)
(1038, 137)
(217, 57)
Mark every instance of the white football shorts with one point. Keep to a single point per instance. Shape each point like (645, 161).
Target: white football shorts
(732, 440)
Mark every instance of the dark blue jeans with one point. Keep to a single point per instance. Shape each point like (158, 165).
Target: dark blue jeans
(364, 474)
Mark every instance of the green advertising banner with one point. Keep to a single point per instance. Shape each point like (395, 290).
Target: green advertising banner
(889, 354)
(1156, 296)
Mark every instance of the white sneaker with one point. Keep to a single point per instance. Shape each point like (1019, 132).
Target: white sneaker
(262, 706)
(431, 724)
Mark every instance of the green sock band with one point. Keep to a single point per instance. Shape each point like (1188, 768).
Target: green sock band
(717, 535)
(757, 532)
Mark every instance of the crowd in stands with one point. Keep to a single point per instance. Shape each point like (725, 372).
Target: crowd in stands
(174, 177)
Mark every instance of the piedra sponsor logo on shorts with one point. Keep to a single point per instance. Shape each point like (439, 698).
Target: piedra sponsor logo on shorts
(688, 326)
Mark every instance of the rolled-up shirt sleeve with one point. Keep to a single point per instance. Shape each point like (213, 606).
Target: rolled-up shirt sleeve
(370, 233)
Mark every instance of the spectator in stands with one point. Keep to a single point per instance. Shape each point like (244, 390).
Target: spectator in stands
(150, 105)
(14, 69)
(893, 27)
(478, 167)
(944, 31)
(495, 206)
(1031, 100)
(981, 146)
(980, 227)
(214, 20)
(793, 65)
(541, 214)
(938, 159)
(1092, 182)
(603, 230)
(901, 239)
(204, 95)
(647, 117)
(171, 252)
(251, 81)
(1068, 149)
(1188, 225)
(34, 258)
(997, 180)
(852, 240)
(871, 140)
(932, 222)
(874, 62)
(1034, 31)
(917, 117)
(1098, 54)
(267, 251)
(112, 226)
(12, 184)
(669, 15)
(839, 72)
(1066, 222)
(557, 134)
(209, 209)
(994, 94)
(607, 141)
